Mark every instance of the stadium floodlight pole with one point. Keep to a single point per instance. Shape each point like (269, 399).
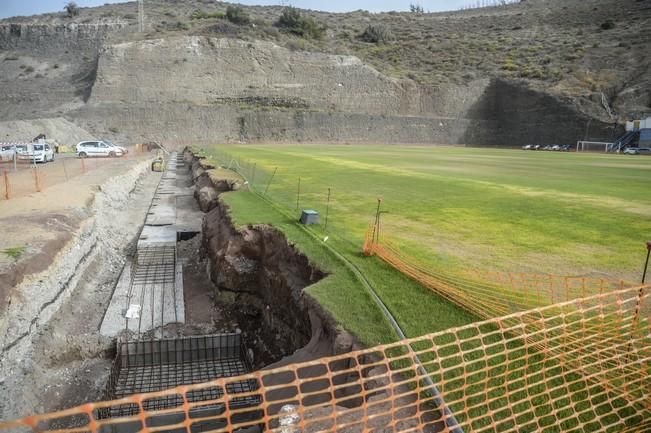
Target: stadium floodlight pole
(646, 264)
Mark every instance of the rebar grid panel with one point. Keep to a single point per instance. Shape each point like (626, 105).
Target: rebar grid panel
(152, 289)
(155, 365)
(578, 366)
(491, 294)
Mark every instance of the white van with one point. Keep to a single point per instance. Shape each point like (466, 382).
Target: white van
(36, 152)
(87, 149)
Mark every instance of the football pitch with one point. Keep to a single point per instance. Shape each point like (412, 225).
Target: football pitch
(452, 210)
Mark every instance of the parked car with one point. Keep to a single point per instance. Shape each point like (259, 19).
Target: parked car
(87, 149)
(556, 147)
(527, 147)
(36, 152)
(637, 151)
(7, 151)
(537, 147)
(110, 143)
(566, 148)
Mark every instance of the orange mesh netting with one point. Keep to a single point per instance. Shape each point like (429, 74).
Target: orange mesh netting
(491, 294)
(581, 366)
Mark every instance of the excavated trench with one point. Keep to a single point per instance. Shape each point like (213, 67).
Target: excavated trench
(255, 280)
(244, 280)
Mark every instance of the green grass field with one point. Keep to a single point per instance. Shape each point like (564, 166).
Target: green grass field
(452, 209)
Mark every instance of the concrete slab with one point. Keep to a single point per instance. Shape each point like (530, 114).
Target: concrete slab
(149, 294)
(152, 235)
(114, 322)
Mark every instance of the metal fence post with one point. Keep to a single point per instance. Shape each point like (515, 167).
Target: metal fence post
(270, 179)
(298, 193)
(37, 180)
(65, 171)
(7, 189)
(325, 225)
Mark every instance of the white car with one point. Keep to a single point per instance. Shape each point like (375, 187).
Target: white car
(87, 149)
(36, 152)
(7, 151)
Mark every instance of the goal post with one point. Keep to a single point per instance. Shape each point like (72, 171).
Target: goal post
(592, 146)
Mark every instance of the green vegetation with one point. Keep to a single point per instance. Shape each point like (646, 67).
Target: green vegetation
(199, 14)
(71, 9)
(340, 288)
(14, 252)
(295, 22)
(376, 34)
(237, 15)
(454, 208)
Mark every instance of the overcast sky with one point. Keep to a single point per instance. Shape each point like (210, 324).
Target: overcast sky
(9, 8)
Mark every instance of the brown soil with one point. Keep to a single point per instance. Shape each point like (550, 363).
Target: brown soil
(256, 279)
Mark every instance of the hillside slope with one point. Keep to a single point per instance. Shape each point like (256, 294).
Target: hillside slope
(544, 71)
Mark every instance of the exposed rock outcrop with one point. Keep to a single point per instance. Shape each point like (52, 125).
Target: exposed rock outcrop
(266, 276)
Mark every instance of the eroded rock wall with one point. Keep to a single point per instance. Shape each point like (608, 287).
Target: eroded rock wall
(48, 70)
(266, 276)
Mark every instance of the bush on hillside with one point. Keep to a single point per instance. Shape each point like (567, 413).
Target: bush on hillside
(293, 21)
(607, 25)
(376, 34)
(237, 15)
(416, 8)
(199, 14)
(71, 9)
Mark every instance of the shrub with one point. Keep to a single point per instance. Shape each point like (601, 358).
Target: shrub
(415, 8)
(199, 14)
(376, 34)
(607, 25)
(71, 9)
(237, 15)
(180, 25)
(293, 21)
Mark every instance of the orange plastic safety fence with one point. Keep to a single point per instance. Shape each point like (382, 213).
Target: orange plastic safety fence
(491, 294)
(579, 366)
(28, 178)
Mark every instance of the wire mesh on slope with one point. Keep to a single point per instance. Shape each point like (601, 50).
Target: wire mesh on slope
(579, 366)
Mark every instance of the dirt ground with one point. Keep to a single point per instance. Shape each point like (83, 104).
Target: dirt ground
(39, 224)
(60, 360)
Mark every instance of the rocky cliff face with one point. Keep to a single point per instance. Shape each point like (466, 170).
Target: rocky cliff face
(184, 89)
(203, 70)
(192, 88)
(47, 70)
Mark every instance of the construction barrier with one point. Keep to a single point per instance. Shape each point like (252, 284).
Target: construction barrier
(578, 366)
(27, 178)
(490, 294)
